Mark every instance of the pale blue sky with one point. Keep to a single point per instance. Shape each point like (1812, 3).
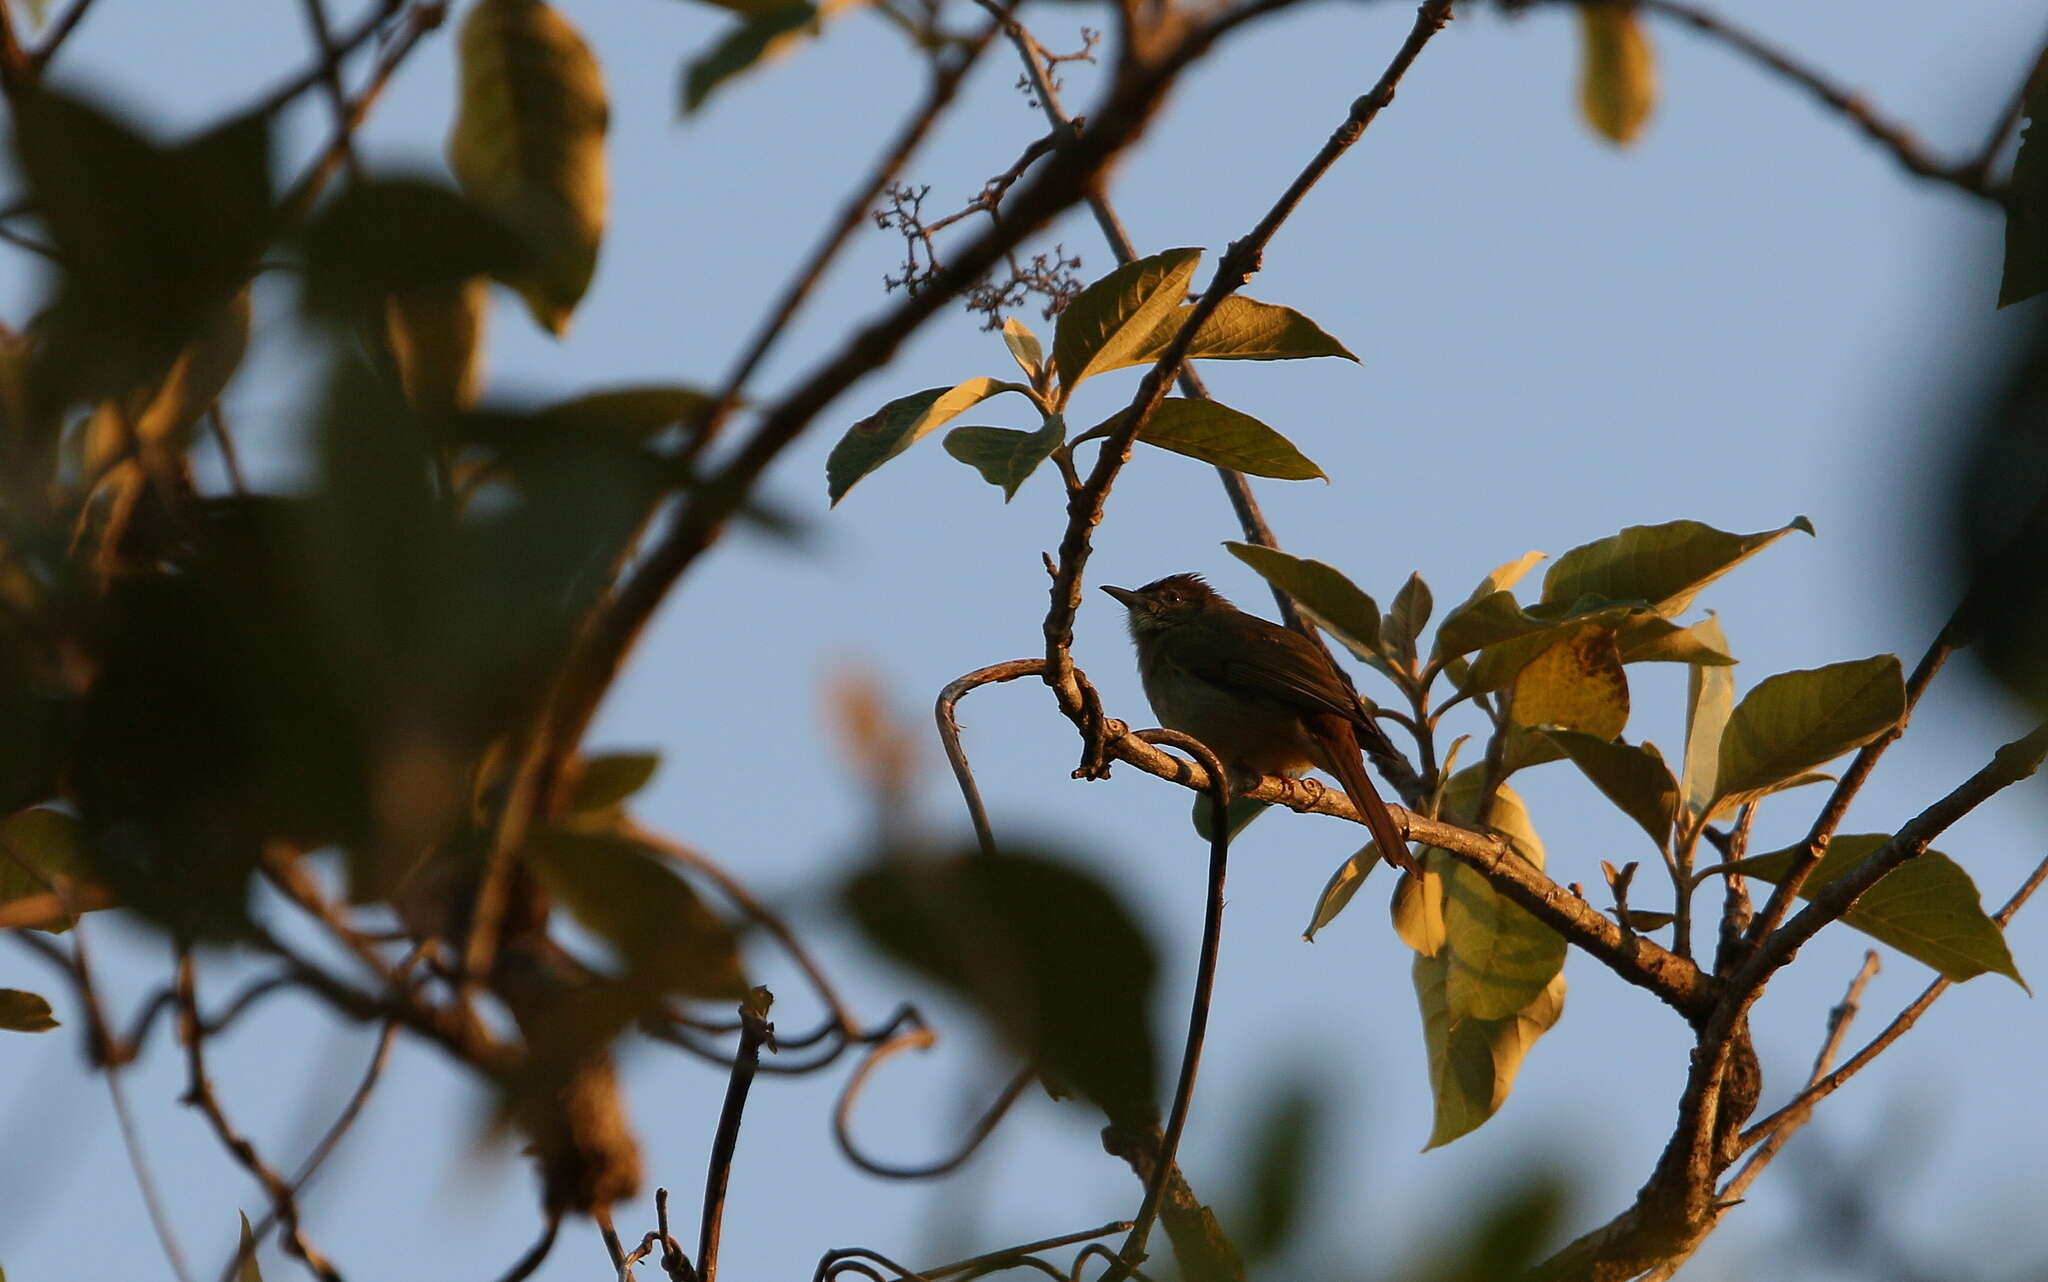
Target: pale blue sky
(1752, 314)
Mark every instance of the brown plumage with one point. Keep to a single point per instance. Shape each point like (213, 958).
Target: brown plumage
(1264, 698)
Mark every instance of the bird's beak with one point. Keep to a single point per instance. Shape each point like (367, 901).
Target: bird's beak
(1132, 600)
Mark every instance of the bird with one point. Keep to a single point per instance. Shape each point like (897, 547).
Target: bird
(1264, 698)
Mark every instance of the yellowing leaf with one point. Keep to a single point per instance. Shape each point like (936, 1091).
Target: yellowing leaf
(1343, 884)
(1576, 684)
(1618, 71)
(1240, 329)
(1472, 1061)
(528, 145)
(1024, 347)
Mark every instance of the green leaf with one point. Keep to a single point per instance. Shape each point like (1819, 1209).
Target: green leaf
(609, 778)
(1113, 317)
(1239, 816)
(2026, 218)
(1618, 71)
(1405, 619)
(1215, 433)
(1652, 638)
(1343, 884)
(633, 413)
(1322, 592)
(1024, 348)
(1665, 565)
(1709, 698)
(1491, 605)
(22, 1012)
(1576, 683)
(1240, 329)
(41, 849)
(245, 1256)
(153, 240)
(629, 896)
(528, 145)
(1472, 1061)
(1927, 907)
(1046, 951)
(1005, 457)
(765, 35)
(899, 425)
(1796, 721)
(1634, 778)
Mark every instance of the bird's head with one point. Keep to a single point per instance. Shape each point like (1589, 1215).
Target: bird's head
(1168, 602)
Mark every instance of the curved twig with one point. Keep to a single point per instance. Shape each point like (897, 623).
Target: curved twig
(537, 1253)
(949, 735)
(1205, 985)
(916, 1039)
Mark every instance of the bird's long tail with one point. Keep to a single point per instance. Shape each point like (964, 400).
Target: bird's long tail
(1339, 742)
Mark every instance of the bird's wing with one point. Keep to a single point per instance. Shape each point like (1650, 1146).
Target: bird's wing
(1279, 664)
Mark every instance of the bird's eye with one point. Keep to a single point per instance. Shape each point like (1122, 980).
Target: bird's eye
(1171, 598)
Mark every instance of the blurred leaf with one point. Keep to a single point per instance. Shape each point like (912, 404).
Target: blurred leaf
(1927, 907)
(245, 1256)
(1281, 1164)
(1405, 620)
(402, 236)
(1343, 884)
(1665, 565)
(1418, 911)
(875, 743)
(42, 851)
(629, 896)
(1240, 329)
(605, 780)
(1215, 433)
(22, 1012)
(1634, 778)
(1575, 684)
(1618, 71)
(1709, 698)
(1795, 721)
(528, 145)
(2026, 217)
(1652, 638)
(637, 412)
(1024, 347)
(1333, 602)
(1005, 457)
(154, 240)
(1505, 1240)
(899, 425)
(1043, 949)
(764, 34)
(436, 338)
(1114, 317)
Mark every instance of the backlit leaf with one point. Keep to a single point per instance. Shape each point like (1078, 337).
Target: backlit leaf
(1927, 907)
(628, 895)
(1796, 721)
(1633, 777)
(899, 425)
(1024, 347)
(1322, 592)
(1709, 699)
(1577, 683)
(1004, 456)
(1218, 434)
(1116, 315)
(1666, 565)
(605, 780)
(1240, 329)
(528, 145)
(1473, 1061)
(760, 38)
(1343, 884)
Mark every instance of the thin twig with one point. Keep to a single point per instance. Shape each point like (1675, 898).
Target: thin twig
(1133, 1252)
(199, 1092)
(330, 73)
(755, 1033)
(59, 32)
(976, 1264)
(949, 735)
(917, 1039)
(1839, 1019)
(536, 1254)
